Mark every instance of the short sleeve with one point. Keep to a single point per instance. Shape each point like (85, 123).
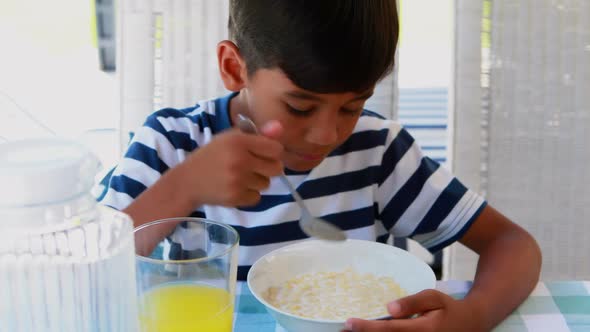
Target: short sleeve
(154, 149)
(419, 198)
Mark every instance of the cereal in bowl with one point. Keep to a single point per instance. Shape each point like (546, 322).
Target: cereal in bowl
(335, 295)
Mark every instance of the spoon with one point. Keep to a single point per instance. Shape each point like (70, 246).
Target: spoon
(310, 225)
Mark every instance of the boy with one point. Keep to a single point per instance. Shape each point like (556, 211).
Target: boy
(302, 70)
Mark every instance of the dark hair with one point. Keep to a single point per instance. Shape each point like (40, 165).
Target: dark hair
(322, 46)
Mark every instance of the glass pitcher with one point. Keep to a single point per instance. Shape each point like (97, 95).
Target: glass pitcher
(66, 264)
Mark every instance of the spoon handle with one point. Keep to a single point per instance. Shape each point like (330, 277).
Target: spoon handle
(295, 194)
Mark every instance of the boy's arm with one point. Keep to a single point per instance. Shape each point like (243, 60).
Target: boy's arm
(508, 267)
(507, 271)
(168, 197)
(230, 171)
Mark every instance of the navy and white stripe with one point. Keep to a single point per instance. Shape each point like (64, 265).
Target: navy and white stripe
(377, 183)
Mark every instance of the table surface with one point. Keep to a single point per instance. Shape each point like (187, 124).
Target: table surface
(552, 307)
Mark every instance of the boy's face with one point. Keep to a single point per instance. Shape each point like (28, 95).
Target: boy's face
(314, 124)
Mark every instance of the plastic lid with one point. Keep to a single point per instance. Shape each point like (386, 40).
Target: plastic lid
(44, 171)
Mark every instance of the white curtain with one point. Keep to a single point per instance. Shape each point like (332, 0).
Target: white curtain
(522, 123)
(166, 57)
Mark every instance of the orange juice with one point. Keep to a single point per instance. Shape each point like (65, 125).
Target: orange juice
(186, 307)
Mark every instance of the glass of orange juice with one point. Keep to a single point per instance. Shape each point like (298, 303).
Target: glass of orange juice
(186, 275)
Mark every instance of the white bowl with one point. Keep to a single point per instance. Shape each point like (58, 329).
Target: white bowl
(276, 267)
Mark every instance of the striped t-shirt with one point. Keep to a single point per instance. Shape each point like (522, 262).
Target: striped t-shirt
(377, 183)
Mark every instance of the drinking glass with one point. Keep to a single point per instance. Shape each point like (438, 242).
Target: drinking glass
(186, 275)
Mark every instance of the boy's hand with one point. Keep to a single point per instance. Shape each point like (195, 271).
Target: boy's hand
(234, 167)
(437, 312)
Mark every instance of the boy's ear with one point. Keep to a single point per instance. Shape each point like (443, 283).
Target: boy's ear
(231, 66)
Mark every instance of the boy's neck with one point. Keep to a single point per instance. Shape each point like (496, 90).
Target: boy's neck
(237, 105)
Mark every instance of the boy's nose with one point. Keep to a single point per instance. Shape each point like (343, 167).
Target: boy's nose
(323, 132)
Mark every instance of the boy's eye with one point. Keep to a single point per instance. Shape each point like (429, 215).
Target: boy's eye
(298, 112)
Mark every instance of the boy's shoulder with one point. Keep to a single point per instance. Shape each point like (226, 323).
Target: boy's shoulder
(211, 114)
(201, 108)
(373, 121)
(372, 114)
